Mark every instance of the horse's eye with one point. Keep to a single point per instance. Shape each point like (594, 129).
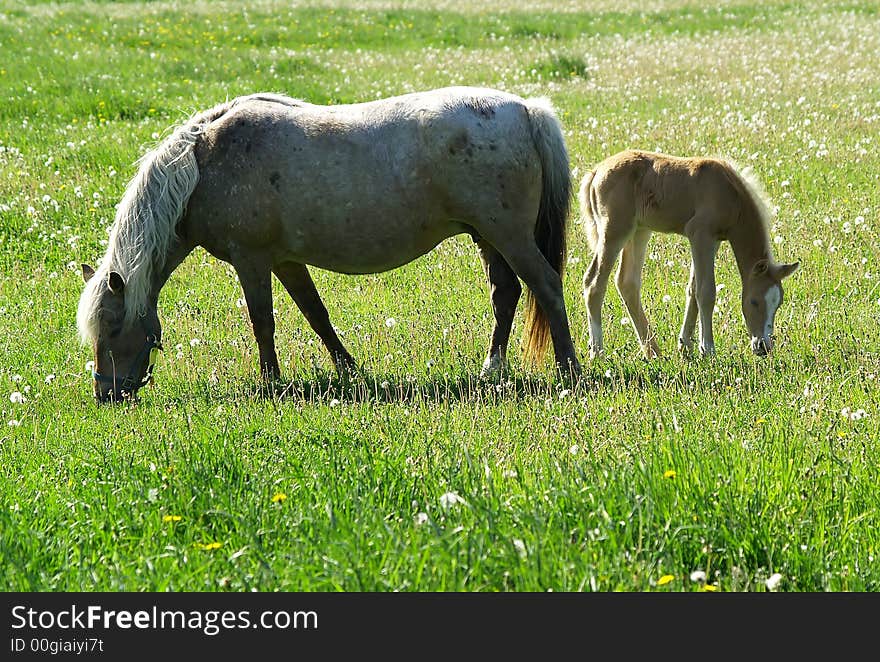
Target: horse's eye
(754, 303)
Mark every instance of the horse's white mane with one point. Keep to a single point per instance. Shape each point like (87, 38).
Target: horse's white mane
(143, 231)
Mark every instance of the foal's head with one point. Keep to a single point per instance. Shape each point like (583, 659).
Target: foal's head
(125, 351)
(761, 297)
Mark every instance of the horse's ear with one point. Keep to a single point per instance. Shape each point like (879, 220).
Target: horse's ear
(761, 266)
(786, 270)
(115, 283)
(87, 272)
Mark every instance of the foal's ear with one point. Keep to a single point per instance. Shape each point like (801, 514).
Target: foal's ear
(786, 270)
(115, 283)
(761, 266)
(87, 272)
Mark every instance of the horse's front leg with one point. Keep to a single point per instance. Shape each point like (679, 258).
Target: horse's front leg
(703, 249)
(504, 292)
(256, 282)
(299, 284)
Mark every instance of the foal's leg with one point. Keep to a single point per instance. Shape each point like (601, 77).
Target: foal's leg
(299, 284)
(257, 285)
(596, 285)
(703, 247)
(629, 285)
(686, 336)
(504, 291)
(532, 267)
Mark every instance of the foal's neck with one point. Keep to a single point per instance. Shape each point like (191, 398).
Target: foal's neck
(750, 241)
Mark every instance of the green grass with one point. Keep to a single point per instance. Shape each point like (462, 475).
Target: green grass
(735, 466)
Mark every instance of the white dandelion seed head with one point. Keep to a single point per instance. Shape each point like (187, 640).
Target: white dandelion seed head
(450, 499)
(698, 576)
(772, 582)
(420, 518)
(390, 322)
(16, 397)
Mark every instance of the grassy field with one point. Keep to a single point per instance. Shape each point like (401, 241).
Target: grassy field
(668, 475)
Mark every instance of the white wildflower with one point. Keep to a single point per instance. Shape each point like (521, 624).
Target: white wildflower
(772, 582)
(450, 499)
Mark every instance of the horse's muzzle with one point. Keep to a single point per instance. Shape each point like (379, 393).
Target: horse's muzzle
(762, 346)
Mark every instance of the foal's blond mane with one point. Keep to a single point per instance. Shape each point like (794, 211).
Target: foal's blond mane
(746, 181)
(143, 231)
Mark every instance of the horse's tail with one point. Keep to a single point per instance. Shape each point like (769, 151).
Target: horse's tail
(586, 198)
(551, 227)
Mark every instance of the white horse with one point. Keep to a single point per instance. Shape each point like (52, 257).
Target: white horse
(632, 194)
(271, 184)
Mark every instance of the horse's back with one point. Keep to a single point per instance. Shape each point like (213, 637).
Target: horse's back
(347, 181)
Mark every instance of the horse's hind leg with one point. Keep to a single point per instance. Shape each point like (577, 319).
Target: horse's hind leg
(299, 284)
(257, 285)
(504, 291)
(629, 285)
(527, 262)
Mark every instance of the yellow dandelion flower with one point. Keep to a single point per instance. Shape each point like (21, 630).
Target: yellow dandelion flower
(760, 420)
(208, 546)
(669, 473)
(709, 587)
(172, 518)
(665, 579)
(279, 497)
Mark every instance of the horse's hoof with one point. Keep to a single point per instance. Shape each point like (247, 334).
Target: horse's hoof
(570, 370)
(494, 368)
(651, 353)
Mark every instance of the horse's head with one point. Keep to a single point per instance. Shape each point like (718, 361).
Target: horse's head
(762, 295)
(125, 352)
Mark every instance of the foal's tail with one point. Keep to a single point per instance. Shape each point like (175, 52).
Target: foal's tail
(551, 227)
(586, 197)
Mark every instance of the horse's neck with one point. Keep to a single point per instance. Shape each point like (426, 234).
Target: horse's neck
(178, 254)
(750, 242)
